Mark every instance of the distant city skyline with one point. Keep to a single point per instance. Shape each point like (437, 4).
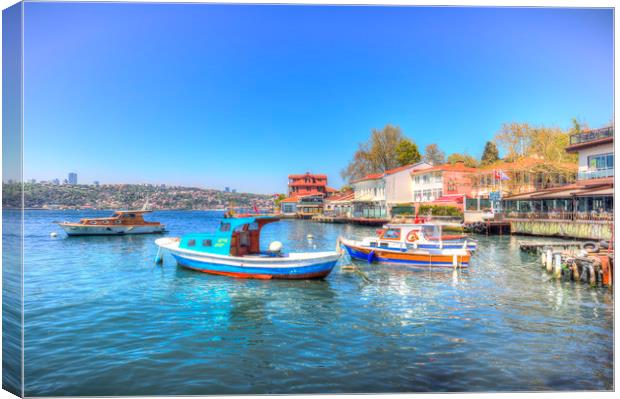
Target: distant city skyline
(241, 96)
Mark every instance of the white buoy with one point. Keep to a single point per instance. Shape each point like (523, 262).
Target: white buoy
(549, 260)
(309, 236)
(53, 234)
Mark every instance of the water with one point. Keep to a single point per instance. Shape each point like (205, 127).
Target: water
(102, 319)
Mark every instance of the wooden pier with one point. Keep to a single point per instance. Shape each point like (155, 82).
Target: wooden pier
(537, 246)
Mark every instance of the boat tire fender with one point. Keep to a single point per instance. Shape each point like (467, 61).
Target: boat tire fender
(591, 246)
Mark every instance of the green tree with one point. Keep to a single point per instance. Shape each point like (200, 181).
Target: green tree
(433, 155)
(468, 160)
(514, 139)
(490, 154)
(520, 140)
(407, 152)
(376, 155)
(279, 198)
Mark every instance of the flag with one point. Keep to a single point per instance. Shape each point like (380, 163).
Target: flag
(255, 208)
(496, 174)
(503, 176)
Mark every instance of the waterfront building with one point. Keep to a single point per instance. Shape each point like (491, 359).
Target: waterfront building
(522, 176)
(595, 149)
(339, 204)
(399, 187)
(380, 195)
(447, 184)
(309, 205)
(288, 206)
(307, 184)
(583, 208)
(72, 179)
(369, 197)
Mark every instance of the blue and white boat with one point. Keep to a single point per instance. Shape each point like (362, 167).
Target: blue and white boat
(234, 250)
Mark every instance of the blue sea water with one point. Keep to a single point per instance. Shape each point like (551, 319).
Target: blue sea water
(102, 319)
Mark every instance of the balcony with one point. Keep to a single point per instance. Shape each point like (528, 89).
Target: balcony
(595, 174)
(592, 135)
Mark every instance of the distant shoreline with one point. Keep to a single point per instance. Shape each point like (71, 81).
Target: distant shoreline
(110, 209)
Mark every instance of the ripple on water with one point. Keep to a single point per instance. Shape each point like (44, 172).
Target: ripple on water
(101, 319)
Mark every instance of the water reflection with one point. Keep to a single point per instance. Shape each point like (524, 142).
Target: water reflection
(102, 319)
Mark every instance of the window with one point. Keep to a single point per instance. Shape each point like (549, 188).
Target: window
(206, 243)
(392, 234)
(225, 227)
(191, 243)
(602, 161)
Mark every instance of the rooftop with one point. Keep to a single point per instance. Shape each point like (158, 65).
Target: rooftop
(602, 186)
(590, 138)
(457, 167)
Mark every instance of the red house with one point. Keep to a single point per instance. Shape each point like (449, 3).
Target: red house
(307, 184)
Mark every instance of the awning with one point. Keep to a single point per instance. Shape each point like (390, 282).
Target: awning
(365, 198)
(596, 193)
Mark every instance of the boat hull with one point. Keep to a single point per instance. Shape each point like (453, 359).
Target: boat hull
(471, 246)
(90, 230)
(414, 258)
(258, 267)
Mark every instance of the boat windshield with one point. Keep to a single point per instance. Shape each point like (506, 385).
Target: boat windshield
(392, 233)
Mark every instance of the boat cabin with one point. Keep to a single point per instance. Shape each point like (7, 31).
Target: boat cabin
(235, 236)
(410, 233)
(120, 217)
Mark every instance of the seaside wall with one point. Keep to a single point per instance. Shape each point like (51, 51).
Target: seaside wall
(592, 230)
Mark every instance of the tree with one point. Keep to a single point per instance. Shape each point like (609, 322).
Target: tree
(377, 155)
(279, 198)
(433, 155)
(490, 154)
(520, 140)
(407, 152)
(468, 160)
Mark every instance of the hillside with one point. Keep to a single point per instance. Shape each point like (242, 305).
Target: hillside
(126, 196)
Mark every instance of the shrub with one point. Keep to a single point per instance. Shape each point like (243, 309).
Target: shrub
(440, 210)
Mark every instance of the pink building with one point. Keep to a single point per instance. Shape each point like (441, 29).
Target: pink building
(442, 181)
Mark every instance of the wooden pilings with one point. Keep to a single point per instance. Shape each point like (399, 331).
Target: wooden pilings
(594, 269)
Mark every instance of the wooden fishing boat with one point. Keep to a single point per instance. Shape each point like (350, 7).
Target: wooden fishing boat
(429, 236)
(387, 250)
(120, 223)
(234, 250)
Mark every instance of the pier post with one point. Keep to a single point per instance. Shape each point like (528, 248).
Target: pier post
(549, 260)
(557, 266)
(606, 270)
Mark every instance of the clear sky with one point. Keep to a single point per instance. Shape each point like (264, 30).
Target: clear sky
(242, 96)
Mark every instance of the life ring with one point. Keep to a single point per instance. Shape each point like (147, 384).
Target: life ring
(412, 236)
(117, 221)
(105, 222)
(92, 222)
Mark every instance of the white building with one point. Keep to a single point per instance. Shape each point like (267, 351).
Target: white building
(376, 194)
(596, 153)
(399, 185)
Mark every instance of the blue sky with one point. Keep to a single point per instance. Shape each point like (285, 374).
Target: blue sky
(242, 96)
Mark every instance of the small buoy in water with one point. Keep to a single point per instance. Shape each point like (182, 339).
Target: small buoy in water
(309, 236)
(347, 268)
(53, 234)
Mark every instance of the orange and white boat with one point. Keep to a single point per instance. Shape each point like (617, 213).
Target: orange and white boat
(120, 223)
